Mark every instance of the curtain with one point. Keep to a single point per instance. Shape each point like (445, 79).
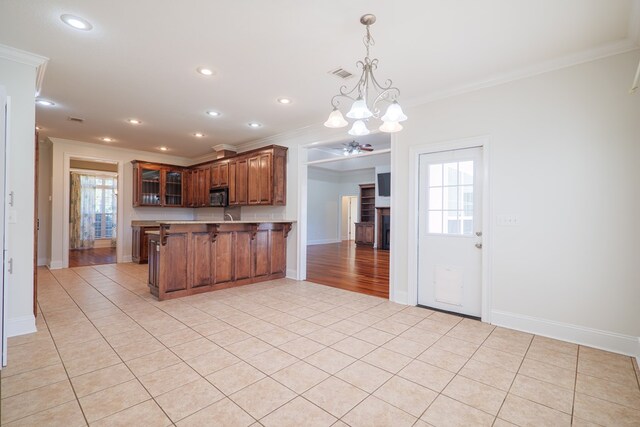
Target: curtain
(82, 211)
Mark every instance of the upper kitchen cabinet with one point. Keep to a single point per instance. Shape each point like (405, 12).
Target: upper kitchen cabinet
(220, 174)
(157, 184)
(259, 177)
(253, 178)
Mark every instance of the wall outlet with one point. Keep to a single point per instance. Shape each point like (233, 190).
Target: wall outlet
(508, 220)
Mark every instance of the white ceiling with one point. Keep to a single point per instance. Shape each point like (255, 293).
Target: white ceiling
(330, 155)
(139, 60)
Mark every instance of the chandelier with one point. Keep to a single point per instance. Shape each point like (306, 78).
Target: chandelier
(368, 96)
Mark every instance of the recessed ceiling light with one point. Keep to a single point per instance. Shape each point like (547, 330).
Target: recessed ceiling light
(284, 100)
(45, 102)
(76, 22)
(213, 113)
(198, 135)
(134, 121)
(107, 139)
(205, 71)
(163, 148)
(254, 124)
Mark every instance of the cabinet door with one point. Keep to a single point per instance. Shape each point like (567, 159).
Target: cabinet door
(279, 183)
(224, 257)
(150, 186)
(203, 187)
(368, 234)
(278, 252)
(175, 256)
(232, 183)
(243, 255)
(224, 174)
(253, 180)
(265, 178)
(261, 251)
(215, 175)
(201, 260)
(135, 244)
(173, 185)
(359, 233)
(136, 185)
(154, 265)
(241, 182)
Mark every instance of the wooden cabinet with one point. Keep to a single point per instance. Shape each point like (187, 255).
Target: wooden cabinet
(185, 259)
(365, 229)
(157, 185)
(220, 174)
(198, 187)
(364, 233)
(140, 242)
(238, 182)
(257, 177)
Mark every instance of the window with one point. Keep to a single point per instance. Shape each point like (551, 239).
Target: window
(105, 207)
(451, 198)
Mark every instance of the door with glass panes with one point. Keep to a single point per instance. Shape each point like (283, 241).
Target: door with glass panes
(450, 246)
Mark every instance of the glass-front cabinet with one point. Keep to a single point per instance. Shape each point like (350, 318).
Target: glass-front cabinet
(173, 188)
(157, 185)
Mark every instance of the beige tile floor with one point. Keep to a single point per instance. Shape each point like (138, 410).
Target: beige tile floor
(285, 353)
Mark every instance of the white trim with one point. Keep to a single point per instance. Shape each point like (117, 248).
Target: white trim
(66, 197)
(301, 241)
(127, 258)
(322, 242)
(21, 325)
(55, 265)
(22, 56)
(610, 341)
(412, 240)
(342, 158)
(292, 274)
(607, 50)
(42, 261)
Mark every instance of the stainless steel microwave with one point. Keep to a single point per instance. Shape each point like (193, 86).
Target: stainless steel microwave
(219, 197)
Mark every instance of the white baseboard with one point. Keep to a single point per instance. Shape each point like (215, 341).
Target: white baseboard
(43, 262)
(322, 241)
(21, 325)
(292, 273)
(55, 265)
(610, 341)
(127, 258)
(401, 297)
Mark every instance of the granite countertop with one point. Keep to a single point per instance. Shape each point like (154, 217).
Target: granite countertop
(241, 221)
(144, 223)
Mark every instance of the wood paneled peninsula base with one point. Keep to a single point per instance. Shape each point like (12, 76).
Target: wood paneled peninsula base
(189, 257)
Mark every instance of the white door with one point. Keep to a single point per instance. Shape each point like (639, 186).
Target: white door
(450, 242)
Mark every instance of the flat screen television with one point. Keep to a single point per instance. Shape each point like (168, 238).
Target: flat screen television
(384, 184)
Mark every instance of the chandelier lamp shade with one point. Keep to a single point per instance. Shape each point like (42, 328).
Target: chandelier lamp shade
(368, 97)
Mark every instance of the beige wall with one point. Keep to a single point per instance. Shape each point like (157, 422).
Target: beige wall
(94, 166)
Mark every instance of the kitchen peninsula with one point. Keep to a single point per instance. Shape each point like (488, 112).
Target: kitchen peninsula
(189, 257)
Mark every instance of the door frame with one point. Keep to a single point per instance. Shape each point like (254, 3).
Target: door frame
(66, 196)
(414, 186)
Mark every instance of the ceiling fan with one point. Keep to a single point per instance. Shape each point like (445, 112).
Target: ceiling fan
(355, 148)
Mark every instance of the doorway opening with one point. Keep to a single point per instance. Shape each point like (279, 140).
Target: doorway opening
(93, 212)
(345, 208)
(349, 217)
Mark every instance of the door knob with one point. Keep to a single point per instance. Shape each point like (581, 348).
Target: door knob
(479, 245)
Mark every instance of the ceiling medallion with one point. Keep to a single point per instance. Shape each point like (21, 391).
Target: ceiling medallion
(368, 96)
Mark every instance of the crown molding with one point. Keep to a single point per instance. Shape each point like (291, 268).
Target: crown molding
(607, 50)
(27, 58)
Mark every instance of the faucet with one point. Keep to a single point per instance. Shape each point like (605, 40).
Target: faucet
(228, 215)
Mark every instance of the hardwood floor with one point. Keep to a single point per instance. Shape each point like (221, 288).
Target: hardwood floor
(95, 256)
(345, 266)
